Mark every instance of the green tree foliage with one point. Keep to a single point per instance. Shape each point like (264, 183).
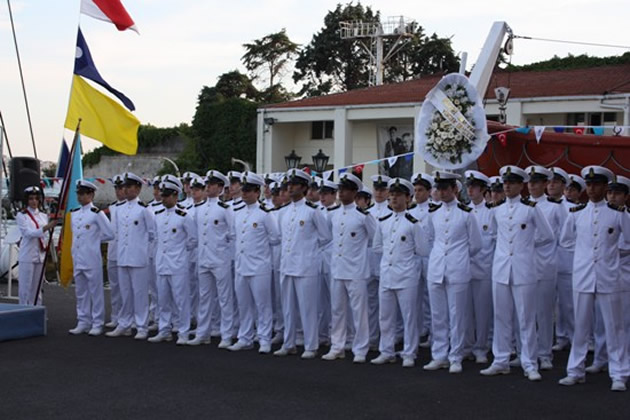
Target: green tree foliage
(235, 84)
(573, 62)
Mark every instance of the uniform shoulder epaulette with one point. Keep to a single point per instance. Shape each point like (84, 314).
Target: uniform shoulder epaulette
(363, 211)
(263, 207)
(121, 203)
(413, 206)
(142, 204)
(528, 202)
(577, 208)
(434, 207)
(189, 207)
(370, 206)
(489, 205)
(279, 208)
(311, 205)
(237, 203)
(201, 203)
(498, 203)
(179, 206)
(222, 204)
(390, 208)
(160, 211)
(113, 203)
(618, 208)
(464, 207)
(157, 203)
(180, 212)
(239, 208)
(554, 200)
(380, 219)
(95, 209)
(333, 207)
(75, 209)
(411, 218)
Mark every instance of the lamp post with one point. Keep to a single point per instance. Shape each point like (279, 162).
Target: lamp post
(292, 160)
(320, 160)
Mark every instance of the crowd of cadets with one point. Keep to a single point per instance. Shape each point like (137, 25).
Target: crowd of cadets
(293, 260)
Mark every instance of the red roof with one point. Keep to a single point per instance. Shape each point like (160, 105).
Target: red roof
(523, 84)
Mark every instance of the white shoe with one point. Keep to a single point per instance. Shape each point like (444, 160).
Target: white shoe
(495, 370)
(278, 338)
(425, 344)
(96, 331)
(181, 341)
(545, 364)
(283, 351)
(516, 362)
(596, 368)
(240, 345)
(333, 355)
(308, 354)
(533, 375)
(79, 330)
(299, 341)
(119, 332)
(224, 344)
(408, 362)
(456, 367)
(112, 324)
(482, 360)
(264, 349)
(559, 346)
(436, 364)
(358, 359)
(618, 386)
(153, 327)
(382, 359)
(571, 380)
(198, 341)
(141, 335)
(161, 337)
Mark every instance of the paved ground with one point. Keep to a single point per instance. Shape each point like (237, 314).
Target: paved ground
(61, 376)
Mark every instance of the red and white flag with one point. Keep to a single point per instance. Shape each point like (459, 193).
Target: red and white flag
(110, 11)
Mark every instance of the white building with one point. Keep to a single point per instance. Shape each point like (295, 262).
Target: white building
(345, 126)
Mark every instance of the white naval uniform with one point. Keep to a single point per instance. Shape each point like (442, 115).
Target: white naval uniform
(457, 239)
(565, 324)
(480, 300)
(596, 229)
(214, 221)
(31, 254)
(276, 250)
(546, 274)
(352, 229)
(325, 295)
(135, 230)
(153, 289)
(399, 239)
(112, 268)
(193, 277)
(255, 232)
(520, 225)
(90, 227)
(303, 230)
(175, 237)
(377, 210)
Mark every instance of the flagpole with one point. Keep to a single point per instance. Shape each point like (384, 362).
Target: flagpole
(62, 206)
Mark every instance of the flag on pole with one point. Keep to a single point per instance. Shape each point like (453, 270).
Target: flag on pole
(109, 11)
(63, 161)
(69, 201)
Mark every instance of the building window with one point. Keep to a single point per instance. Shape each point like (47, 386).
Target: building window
(322, 130)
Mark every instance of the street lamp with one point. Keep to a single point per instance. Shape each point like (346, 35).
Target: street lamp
(320, 160)
(292, 160)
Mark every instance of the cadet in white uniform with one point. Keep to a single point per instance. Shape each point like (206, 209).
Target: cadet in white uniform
(596, 229)
(33, 225)
(90, 227)
(254, 232)
(176, 237)
(214, 221)
(134, 230)
(480, 301)
(546, 262)
(197, 188)
(352, 228)
(399, 239)
(519, 225)
(278, 316)
(328, 197)
(456, 239)
(303, 229)
(154, 205)
(112, 255)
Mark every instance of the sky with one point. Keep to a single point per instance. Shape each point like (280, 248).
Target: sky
(184, 45)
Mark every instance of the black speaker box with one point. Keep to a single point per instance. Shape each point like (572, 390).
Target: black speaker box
(24, 173)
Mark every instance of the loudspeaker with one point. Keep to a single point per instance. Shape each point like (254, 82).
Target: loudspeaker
(24, 172)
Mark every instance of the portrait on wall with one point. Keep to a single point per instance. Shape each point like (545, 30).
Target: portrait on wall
(394, 140)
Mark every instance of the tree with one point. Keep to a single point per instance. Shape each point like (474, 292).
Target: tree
(235, 84)
(572, 62)
(269, 55)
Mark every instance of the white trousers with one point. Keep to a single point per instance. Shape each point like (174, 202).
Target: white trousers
(449, 305)
(278, 316)
(390, 300)
(114, 289)
(611, 305)
(173, 293)
(372, 287)
(299, 302)
(28, 282)
(153, 291)
(88, 286)
(193, 284)
(479, 316)
(215, 285)
(545, 304)
(324, 316)
(425, 306)
(350, 295)
(134, 289)
(510, 301)
(565, 323)
(255, 308)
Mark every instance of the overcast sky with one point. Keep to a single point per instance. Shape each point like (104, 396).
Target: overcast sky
(186, 44)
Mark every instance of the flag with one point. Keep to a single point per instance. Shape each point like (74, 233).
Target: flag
(102, 118)
(109, 11)
(538, 132)
(84, 66)
(64, 159)
(69, 201)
